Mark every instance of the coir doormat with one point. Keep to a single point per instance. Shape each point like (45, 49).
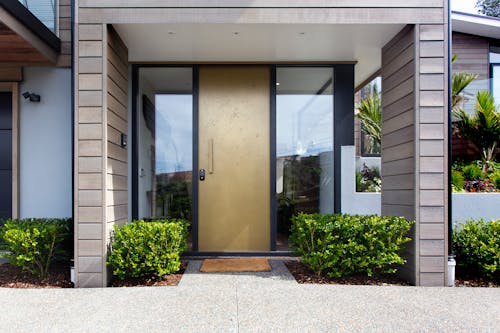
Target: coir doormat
(235, 265)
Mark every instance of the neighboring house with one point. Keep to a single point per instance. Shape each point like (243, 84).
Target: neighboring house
(476, 42)
(252, 100)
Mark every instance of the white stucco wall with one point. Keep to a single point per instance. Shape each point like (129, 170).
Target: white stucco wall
(45, 144)
(353, 202)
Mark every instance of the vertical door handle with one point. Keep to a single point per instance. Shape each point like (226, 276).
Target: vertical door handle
(211, 156)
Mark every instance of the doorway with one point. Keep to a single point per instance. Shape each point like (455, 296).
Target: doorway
(5, 155)
(234, 159)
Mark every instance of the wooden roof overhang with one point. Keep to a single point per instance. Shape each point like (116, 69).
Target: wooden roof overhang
(24, 40)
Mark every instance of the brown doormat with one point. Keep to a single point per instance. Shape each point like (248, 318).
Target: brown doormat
(235, 265)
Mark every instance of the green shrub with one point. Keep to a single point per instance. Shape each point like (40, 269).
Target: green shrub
(476, 245)
(472, 172)
(146, 249)
(340, 245)
(495, 179)
(457, 180)
(35, 243)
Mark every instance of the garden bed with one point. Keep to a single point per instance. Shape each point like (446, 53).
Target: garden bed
(303, 275)
(167, 280)
(14, 277)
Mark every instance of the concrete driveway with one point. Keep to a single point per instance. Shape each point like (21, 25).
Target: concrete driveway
(244, 302)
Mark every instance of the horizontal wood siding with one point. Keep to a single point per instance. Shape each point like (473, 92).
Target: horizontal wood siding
(472, 57)
(64, 33)
(432, 143)
(273, 11)
(117, 124)
(90, 166)
(414, 141)
(398, 135)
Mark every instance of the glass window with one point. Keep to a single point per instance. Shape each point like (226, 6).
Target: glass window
(369, 146)
(495, 72)
(304, 144)
(495, 82)
(165, 143)
(44, 10)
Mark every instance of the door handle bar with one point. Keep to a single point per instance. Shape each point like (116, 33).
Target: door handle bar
(211, 156)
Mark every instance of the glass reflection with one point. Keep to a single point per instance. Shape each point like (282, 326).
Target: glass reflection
(165, 143)
(304, 144)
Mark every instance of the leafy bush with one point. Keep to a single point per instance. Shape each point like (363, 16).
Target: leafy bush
(495, 178)
(144, 249)
(340, 245)
(476, 245)
(472, 172)
(35, 243)
(457, 180)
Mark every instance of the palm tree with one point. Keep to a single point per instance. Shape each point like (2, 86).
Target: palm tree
(482, 128)
(459, 81)
(369, 112)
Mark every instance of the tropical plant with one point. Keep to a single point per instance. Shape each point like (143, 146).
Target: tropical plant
(482, 128)
(369, 112)
(459, 82)
(489, 7)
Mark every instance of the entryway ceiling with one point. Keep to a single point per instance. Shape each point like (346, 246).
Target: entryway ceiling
(264, 43)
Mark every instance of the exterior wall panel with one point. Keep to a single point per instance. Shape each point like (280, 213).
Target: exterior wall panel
(414, 139)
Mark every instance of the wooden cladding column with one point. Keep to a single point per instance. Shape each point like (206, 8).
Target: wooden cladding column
(117, 125)
(90, 152)
(432, 143)
(100, 160)
(398, 136)
(64, 33)
(414, 141)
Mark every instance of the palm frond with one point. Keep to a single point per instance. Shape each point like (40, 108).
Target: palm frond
(369, 112)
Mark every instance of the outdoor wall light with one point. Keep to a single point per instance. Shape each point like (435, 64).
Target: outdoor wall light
(32, 96)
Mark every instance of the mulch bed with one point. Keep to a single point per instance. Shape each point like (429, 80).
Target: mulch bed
(14, 277)
(303, 275)
(475, 282)
(167, 280)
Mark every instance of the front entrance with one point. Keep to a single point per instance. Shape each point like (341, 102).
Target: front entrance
(236, 150)
(234, 158)
(5, 155)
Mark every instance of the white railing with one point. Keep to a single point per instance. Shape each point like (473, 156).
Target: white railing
(44, 10)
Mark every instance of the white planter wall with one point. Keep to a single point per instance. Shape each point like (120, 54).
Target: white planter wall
(353, 202)
(475, 206)
(464, 205)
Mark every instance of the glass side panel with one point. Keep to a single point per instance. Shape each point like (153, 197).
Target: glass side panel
(494, 54)
(495, 82)
(165, 147)
(44, 10)
(304, 144)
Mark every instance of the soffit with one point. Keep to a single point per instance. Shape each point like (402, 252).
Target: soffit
(260, 43)
(19, 44)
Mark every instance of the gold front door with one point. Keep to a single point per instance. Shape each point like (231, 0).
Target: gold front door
(234, 197)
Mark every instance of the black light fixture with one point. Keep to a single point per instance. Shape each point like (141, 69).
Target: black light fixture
(32, 96)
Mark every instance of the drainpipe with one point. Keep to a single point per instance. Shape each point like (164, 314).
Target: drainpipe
(451, 259)
(75, 230)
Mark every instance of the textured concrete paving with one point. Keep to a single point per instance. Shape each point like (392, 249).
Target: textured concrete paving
(243, 302)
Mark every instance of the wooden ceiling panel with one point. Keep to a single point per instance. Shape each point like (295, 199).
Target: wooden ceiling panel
(14, 49)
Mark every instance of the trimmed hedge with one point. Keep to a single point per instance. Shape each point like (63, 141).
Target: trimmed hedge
(476, 245)
(341, 245)
(35, 243)
(146, 249)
